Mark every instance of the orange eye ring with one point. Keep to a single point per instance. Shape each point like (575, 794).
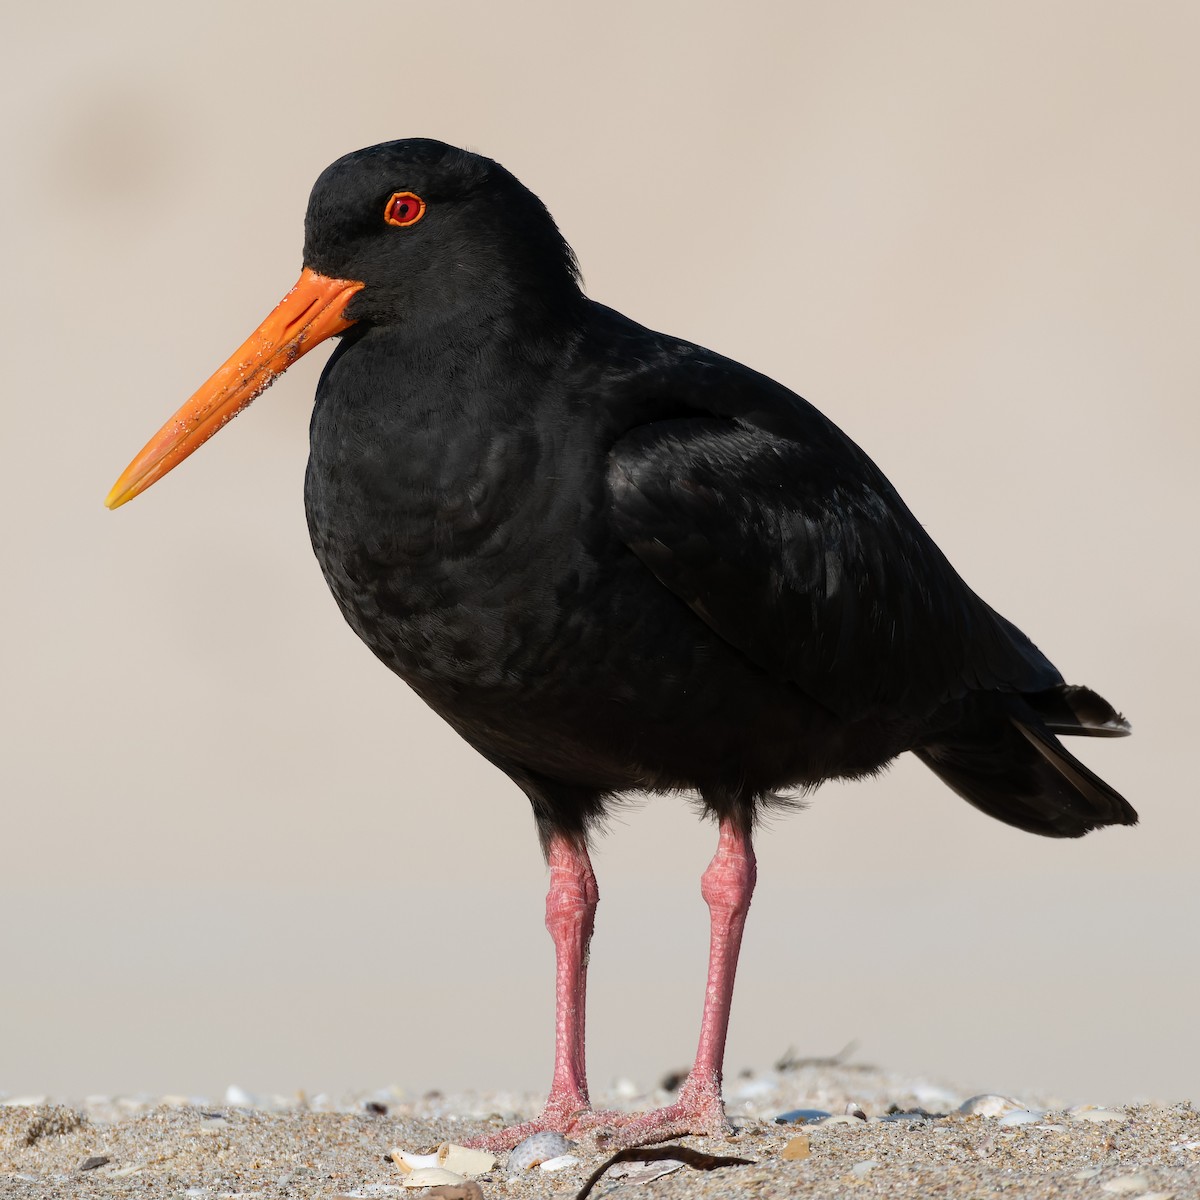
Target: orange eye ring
(404, 209)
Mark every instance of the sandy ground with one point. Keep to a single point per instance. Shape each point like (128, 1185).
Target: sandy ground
(298, 1147)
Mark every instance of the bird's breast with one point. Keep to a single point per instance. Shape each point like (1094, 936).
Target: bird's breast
(451, 539)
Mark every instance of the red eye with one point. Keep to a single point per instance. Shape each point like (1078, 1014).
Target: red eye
(404, 208)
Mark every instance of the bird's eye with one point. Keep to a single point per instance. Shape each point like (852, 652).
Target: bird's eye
(403, 209)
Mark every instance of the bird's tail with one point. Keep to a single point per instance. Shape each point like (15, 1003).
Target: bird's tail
(1004, 758)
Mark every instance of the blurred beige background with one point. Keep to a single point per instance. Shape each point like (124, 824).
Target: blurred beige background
(236, 849)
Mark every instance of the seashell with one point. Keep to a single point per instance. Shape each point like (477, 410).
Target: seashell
(989, 1105)
(407, 1161)
(426, 1176)
(1124, 1184)
(558, 1163)
(536, 1149)
(1021, 1116)
(1089, 1113)
(463, 1159)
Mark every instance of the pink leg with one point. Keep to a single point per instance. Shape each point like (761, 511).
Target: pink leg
(726, 886)
(570, 916)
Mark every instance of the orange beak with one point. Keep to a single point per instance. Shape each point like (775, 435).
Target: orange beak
(308, 314)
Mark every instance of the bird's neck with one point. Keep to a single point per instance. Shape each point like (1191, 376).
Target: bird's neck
(483, 337)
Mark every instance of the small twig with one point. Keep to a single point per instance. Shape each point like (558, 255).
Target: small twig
(789, 1062)
(690, 1158)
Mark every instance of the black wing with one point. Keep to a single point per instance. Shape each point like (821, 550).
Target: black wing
(790, 543)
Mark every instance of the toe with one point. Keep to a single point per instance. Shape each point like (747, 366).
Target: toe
(705, 1119)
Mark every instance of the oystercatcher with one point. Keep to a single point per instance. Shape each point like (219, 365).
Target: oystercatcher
(615, 561)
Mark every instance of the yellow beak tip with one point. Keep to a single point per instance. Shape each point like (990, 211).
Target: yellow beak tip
(115, 499)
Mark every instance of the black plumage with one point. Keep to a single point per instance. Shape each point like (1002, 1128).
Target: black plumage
(614, 561)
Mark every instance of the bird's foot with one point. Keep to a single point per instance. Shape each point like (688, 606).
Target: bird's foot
(570, 1115)
(699, 1112)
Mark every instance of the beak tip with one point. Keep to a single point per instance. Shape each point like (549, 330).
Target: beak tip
(305, 317)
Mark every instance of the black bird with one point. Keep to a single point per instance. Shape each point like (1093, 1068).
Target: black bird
(615, 561)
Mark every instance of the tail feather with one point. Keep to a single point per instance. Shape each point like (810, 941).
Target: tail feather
(1077, 711)
(1003, 757)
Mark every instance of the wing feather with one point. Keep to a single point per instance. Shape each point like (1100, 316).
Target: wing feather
(801, 554)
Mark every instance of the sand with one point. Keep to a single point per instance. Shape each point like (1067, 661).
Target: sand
(293, 1147)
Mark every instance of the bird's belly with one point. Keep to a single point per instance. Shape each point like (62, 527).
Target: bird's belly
(590, 672)
(503, 596)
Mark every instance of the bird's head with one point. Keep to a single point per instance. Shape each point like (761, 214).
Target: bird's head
(433, 233)
(413, 234)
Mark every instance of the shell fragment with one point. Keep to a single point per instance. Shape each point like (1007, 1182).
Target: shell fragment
(464, 1160)
(558, 1163)
(449, 1156)
(1099, 1115)
(990, 1105)
(407, 1161)
(427, 1176)
(1123, 1185)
